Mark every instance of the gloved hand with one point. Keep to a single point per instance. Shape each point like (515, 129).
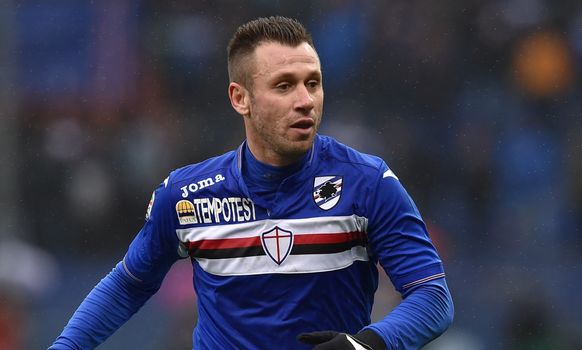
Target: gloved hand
(332, 340)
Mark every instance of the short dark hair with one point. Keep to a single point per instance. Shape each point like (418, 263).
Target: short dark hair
(248, 36)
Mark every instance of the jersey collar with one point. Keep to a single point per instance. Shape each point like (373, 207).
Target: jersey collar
(306, 172)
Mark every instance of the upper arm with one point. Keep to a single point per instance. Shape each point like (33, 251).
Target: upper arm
(155, 248)
(398, 235)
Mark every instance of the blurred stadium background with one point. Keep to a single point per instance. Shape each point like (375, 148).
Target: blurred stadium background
(475, 104)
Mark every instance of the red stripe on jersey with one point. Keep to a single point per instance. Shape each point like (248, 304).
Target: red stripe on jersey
(315, 238)
(328, 238)
(225, 243)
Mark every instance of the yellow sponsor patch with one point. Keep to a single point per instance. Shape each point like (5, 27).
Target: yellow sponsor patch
(185, 211)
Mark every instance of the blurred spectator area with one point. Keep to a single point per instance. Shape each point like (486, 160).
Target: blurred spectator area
(474, 105)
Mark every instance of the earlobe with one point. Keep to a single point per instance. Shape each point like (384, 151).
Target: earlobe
(239, 98)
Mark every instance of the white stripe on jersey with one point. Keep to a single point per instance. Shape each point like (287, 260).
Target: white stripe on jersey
(295, 263)
(259, 265)
(325, 224)
(422, 280)
(389, 173)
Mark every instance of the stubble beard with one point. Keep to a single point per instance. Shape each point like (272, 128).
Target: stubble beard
(295, 149)
(282, 145)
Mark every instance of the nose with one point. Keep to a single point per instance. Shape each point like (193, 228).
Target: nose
(304, 100)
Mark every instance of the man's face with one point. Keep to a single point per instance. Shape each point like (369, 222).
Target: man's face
(286, 102)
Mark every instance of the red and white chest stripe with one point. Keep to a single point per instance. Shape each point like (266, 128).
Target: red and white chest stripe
(278, 246)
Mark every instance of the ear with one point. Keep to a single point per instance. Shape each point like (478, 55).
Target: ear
(239, 98)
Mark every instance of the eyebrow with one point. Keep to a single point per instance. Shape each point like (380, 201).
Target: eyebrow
(291, 76)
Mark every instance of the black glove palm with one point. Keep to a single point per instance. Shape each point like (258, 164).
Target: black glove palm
(331, 340)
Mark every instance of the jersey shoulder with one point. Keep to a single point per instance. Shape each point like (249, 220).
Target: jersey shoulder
(211, 167)
(339, 152)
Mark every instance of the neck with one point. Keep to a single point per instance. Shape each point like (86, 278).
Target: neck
(272, 158)
(264, 179)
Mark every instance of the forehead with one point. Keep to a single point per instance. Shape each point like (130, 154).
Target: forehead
(273, 58)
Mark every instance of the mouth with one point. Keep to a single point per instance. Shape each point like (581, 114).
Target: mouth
(303, 123)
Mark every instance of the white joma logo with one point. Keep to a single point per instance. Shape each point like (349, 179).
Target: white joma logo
(195, 186)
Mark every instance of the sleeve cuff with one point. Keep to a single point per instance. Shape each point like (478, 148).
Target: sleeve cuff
(429, 273)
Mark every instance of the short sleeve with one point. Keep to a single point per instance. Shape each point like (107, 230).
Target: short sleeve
(156, 247)
(398, 235)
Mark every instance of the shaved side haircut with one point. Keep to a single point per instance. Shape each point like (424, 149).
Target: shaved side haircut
(241, 48)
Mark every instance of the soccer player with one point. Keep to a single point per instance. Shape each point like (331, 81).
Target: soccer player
(285, 232)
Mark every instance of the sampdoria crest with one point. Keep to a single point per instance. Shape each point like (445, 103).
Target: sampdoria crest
(327, 191)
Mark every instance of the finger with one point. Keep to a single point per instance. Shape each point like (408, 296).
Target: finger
(314, 338)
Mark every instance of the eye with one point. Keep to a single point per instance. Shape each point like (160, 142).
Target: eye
(313, 84)
(283, 86)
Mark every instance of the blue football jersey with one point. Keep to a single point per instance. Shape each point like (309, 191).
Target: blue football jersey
(265, 272)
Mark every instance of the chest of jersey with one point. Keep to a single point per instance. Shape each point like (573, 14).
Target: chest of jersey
(310, 226)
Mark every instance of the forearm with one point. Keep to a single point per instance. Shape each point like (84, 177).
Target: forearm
(109, 305)
(424, 314)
